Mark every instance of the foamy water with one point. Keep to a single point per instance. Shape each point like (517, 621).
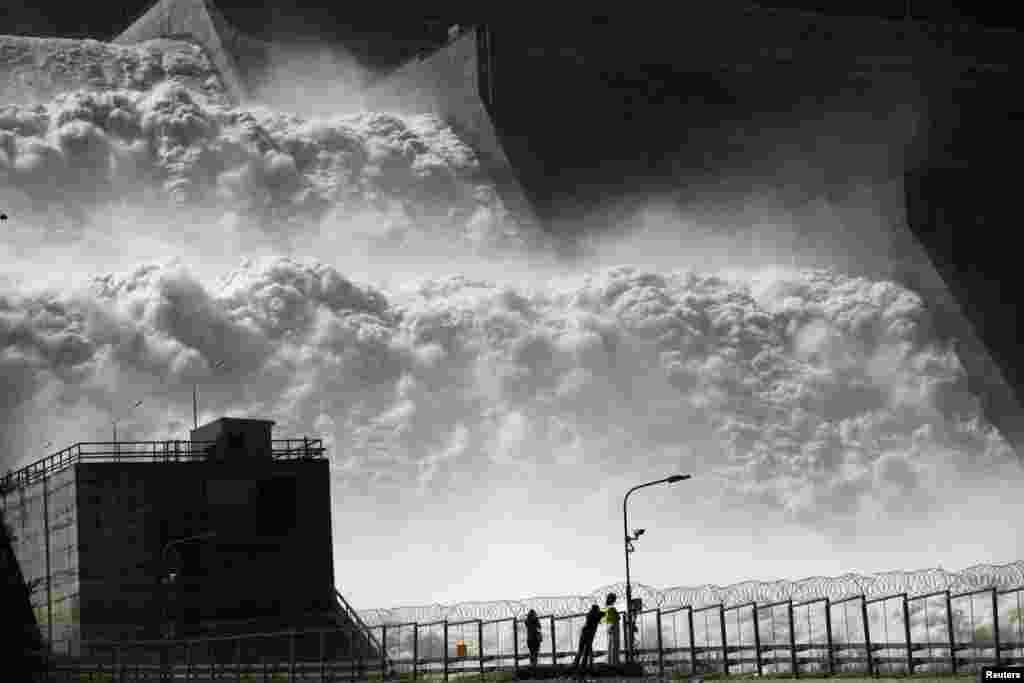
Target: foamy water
(361, 280)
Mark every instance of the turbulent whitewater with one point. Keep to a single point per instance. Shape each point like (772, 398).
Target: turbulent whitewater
(813, 393)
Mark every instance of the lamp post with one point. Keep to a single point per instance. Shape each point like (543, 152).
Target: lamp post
(169, 577)
(115, 421)
(628, 541)
(195, 397)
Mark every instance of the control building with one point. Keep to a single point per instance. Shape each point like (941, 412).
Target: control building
(224, 534)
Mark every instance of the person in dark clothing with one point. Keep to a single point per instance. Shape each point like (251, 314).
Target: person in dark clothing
(533, 636)
(585, 654)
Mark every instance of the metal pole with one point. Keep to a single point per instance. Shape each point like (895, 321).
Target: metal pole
(725, 645)
(693, 645)
(995, 624)
(384, 649)
(480, 643)
(49, 567)
(415, 648)
(629, 589)
(867, 635)
(661, 653)
(554, 650)
(828, 637)
(291, 655)
(792, 642)
(949, 630)
(515, 644)
(444, 649)
(323, 653)
(906, 634)
(238, 660)
(757, 643)
(195, 406)
(188, 660)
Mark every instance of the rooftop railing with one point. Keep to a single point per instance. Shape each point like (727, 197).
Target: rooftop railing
(145, 451)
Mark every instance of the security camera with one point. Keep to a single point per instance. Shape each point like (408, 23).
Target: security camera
(638, 532)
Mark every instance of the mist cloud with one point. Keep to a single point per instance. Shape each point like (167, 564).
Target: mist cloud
(824, 395)
(813, 393)
(380, 178)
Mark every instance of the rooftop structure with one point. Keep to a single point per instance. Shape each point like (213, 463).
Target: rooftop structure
(213, 435)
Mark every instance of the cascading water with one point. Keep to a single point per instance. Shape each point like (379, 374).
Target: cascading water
(467, 352)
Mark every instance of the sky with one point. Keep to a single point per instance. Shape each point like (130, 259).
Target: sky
(486, 405)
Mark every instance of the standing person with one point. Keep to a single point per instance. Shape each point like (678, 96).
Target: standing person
(611, 617)
(533, 636)
(585, 654)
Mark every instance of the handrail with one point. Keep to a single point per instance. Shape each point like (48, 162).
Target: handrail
(354, 615)
(173, 450)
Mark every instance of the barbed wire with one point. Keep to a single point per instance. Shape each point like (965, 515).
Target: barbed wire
(914, 582)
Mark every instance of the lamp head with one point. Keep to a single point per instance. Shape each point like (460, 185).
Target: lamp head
(637, 533)
(678, 477)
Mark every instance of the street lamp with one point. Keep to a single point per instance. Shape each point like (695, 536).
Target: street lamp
(115, 421)
(195, 397)
(628, 540)
(169, 577)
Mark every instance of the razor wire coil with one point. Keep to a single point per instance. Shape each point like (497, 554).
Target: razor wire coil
(835, 588)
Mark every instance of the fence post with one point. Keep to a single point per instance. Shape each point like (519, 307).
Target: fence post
(384, 649)
(444, 649)
(291, 655)
(480, 643)
(415, 648)
(117, 664)
(906, 633)
(554, 658)
(661, 653)
(995, 623)
(757, 643)
(725, 645)
(792, 641)
(950, 632)
(867, 634)
(188, 661)
(515, 644)
(323, 653)
(353, 645)
(238, 660)
(693, 644)
(828, 637)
